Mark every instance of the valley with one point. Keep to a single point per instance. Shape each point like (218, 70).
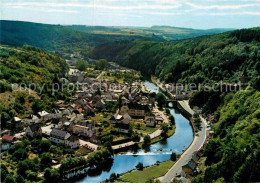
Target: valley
(109, 104)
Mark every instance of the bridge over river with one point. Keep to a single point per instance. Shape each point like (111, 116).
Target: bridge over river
(159, 151)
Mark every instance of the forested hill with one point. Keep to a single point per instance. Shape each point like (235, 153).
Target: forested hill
(210, 58)
(29, 66)
(232, 153)
(57, 37)
(163, 32)
(83, 39)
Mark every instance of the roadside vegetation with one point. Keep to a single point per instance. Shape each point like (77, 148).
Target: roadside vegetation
(235, 142)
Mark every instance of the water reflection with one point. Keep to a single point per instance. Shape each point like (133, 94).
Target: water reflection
(159, 151)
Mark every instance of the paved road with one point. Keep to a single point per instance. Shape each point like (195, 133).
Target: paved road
(185, 157)
(185, 105)
(162, 114)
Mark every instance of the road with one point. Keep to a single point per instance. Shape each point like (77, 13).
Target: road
(99, 76)
(162, 114)
(185, 105)
(185, 157)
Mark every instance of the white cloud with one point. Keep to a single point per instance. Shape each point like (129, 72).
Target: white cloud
(95, 4)
(47, 9)
(221, 7)
(150, 7)
(234, 13)
(179, 12)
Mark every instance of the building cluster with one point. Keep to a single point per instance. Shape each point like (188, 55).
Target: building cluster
(67, 123)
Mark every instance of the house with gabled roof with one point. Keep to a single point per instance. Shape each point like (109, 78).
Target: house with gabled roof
(33, 130)
(58, 136)
(135, 110)
(189, 167)
(72, 142)
(8, 138)
(150, 120)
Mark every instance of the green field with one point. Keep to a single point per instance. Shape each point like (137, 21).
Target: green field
(147, 173)
(143, 128)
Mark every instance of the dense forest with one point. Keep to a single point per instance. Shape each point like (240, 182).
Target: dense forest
(232, 154)
(205, 59)
(27, 66)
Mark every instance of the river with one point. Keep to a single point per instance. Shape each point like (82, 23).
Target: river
(178, 142)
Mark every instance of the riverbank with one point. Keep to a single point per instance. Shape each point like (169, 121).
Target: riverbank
(196, 144)
(150, 172)
(158, 151)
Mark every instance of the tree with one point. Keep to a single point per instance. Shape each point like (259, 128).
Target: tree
(9, 179)
(30, 175)
(81, 65)
(113, 177)
(135, 137)
(46, 159)
(173, 156)
(138, 126)
(37, 105)
(108, 145)
(4, 172)
(51, 175)
(22, 168)
(102, 64)
(20, 154)
(140, 166)
(147, 140)
(161, 100)
(164, 128)
(47, 174)
(35, 143)
(172, 119)
(45, 145)
(20, 179)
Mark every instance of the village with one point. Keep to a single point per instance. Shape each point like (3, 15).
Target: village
(111, 105)
(103, 106)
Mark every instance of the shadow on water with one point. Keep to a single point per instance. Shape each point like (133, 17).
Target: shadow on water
(104, 167)
(163, 141)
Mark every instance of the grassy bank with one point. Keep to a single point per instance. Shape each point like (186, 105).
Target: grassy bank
(147, 173)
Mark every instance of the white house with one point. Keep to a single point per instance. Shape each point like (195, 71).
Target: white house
(126, 118)
(58, 136)
(72, 141)
(43, 115)
(150, 121)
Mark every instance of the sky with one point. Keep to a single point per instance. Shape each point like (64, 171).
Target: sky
(198, 14)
